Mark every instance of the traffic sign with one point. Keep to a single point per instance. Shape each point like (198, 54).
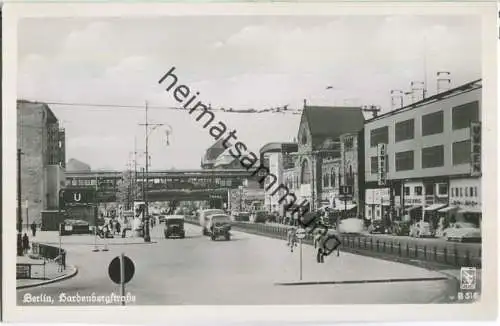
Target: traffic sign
(300, 234)
(114, 270)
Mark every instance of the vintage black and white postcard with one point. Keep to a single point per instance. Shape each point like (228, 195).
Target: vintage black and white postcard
(249, 162)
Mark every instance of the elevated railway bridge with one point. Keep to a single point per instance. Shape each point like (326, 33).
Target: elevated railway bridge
(163, 185)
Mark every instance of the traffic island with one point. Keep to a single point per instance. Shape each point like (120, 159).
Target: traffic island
(36, 272)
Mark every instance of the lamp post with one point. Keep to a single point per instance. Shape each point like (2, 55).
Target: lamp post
(147, 237)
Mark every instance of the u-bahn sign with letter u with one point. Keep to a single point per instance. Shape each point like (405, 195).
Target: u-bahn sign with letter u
(77, 196)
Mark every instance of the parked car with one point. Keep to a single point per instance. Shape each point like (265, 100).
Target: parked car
(203, 218)
(351, 226)
(462, 232)
(400, 228)
(219, 225)
(174, 226)
(378, 226)
(74, 226)
(259, 217)
(420, 229)
(241, 216)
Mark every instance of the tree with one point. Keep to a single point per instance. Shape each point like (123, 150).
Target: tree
(124, 195)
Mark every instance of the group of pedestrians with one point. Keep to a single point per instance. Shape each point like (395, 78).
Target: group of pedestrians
(325, 240)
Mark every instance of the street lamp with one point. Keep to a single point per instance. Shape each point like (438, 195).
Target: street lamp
(147, 237)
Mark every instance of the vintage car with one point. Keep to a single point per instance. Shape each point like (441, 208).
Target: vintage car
(462, 232)
(400, 228)
(420, 229)
(219, 225)
(351, 226)
(203, 218)
(174, 226)
(241, 216)
(74, 226)
(378, 226)
(259, 217)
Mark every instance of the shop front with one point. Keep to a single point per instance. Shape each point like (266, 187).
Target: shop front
(465, 199)
(374, 203)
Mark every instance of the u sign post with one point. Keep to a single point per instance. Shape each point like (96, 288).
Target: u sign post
(121, 270)
(300, 234)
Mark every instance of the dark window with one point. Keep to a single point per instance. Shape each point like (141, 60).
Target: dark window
(379, 135)
(433, 157)
(325, 180)
(404, 161)
(443, 189)
(332, 178)
(429, 189)
(418, 191)
(432, 123)
(461, 152)
(374, 164)
(407, 191)
(405, 130)
(471, 192)
(464, 114)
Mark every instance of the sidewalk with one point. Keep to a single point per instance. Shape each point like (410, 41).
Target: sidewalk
(52, 238)
(43, 273)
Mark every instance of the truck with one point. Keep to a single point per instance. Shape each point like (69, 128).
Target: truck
(203, 218)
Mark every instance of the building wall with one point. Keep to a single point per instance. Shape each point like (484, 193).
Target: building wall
(32, 140)
(446, 138)
(271, 203)
(38, 138)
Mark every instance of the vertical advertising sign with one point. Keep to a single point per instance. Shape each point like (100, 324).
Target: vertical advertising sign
(475, 142)
(382, 173)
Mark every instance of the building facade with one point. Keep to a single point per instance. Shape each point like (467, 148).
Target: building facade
(42, 167)
(424, 160)
(328, 141)
(277, 158)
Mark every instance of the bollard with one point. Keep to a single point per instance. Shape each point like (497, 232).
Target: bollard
(377, 244)
(425, 252)
(365, 243)
(407, 250)
(392, 247)
(384, 247)
(456, 256)
(359, 242)
(399, 249)
(371, 243)
(435, 254)
(416, 250)
(445, 252)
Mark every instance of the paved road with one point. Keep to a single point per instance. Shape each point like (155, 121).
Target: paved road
(246, 270)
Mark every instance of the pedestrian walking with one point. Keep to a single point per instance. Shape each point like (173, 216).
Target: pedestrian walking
(26, 244)
(33, 229)
(118, 226)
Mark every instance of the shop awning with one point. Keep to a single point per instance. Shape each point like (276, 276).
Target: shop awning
(434, 207)
(412, 208)
(345, 207)
(470, 210)
(447, 209)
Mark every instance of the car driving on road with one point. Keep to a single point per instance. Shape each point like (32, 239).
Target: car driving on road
(203, 218)
(174, 226)
(219, 225)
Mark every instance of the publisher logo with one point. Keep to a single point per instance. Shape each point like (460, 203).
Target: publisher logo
(468, 278)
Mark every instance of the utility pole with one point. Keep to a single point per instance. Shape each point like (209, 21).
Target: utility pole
(147, 237)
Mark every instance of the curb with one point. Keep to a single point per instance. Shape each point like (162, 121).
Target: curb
(55, 280)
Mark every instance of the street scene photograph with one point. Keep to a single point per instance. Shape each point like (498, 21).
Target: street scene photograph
(249, 160)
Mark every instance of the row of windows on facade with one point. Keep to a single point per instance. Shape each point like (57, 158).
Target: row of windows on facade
(432, 157)
(93, 182)
(329, 179)
(442, 191)
(432, 124)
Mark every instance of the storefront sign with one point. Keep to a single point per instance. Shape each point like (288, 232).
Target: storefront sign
(382, 173)
(475, 141)
(412, 201)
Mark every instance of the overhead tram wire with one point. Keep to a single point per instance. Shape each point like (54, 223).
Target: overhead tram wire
(99, 106)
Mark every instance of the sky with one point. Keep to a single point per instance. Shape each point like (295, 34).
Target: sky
(240, 62)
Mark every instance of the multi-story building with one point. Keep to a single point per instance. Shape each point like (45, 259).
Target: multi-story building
(428, 166)
(276, 157)
(328, 140)
(211, 154)
(41, 142)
